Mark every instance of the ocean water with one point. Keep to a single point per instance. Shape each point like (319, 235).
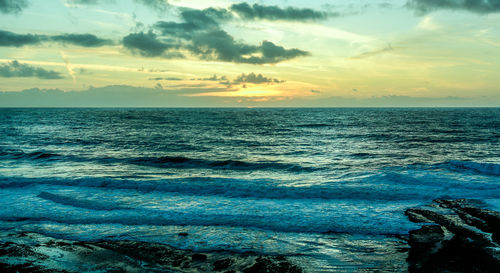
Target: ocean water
(325, 186)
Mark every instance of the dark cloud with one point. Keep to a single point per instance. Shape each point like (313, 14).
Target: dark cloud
(111, 96)
(255, 79)
(157, 5)
(147, 45)
(257, 11)
(477, 6)
(85, 40)
(84, 2)
(165, 79)
(8, 38)
(182, 30)
(386, 5)
(219, 14)
(218, 45)
(243, 79)
(193, 21)
(154, 70)
(15, 69)
(202, 18)
(13, 6)
(214, 78)
(129, 96)
(83, 71)
(274, 54)
(200, 34)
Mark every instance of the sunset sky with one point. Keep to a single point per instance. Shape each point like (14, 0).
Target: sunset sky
(253, 53)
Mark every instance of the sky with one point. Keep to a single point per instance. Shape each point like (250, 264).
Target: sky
(182, 53)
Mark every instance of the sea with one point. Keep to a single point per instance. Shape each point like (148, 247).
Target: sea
(326, 187)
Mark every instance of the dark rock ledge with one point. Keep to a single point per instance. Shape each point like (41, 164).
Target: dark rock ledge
(36, 253)
(458, 236)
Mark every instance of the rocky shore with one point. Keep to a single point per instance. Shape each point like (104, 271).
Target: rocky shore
(457, 236)
(36, 253)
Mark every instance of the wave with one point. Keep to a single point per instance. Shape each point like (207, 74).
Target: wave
(394, 223)
(186, 162)
(79, 203)
(469, 166)
(385, 186)
(164, 162)
(236, 188)
(43, 155)
(315, 125)
(362, 155)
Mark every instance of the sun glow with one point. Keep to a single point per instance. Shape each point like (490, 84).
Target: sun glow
(256, 91)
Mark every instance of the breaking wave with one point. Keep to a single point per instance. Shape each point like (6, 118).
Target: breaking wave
(469, 166)
(78, 202)
(164, 162)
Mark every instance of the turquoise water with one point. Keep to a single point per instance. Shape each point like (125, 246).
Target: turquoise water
(330, 185)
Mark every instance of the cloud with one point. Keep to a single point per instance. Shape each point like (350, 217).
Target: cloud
(110, 96)
(129, 96)
(214, 78)
(369, 54)
(200, 34)
(272, 53)
(257, 11)
(8, 38)
(165, 79)
(255, 79)
(15, 69)
(85, 40)
(13, 6)
(242, 79)
(476, 6)
(83, 71)
(84, 2)
(148, 45)
(154, 70)
(194, 20)
(218, 45)
(157, 5)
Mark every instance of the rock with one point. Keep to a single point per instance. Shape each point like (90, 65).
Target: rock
(427, 238)
(415, 216)
(272, 265)
(198, 257)
(463, 238)
(222, 264)
(32, 252)
(183, 234)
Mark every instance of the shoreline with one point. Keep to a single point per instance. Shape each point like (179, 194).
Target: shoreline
(34, 252)
(455, 236)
